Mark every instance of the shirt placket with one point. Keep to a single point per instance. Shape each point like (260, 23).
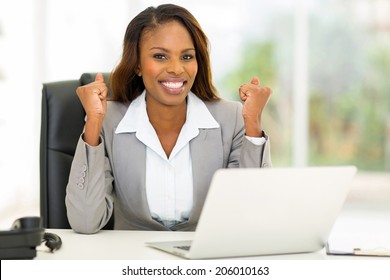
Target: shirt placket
(170, 203)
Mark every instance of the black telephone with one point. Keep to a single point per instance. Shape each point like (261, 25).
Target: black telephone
(21, 240)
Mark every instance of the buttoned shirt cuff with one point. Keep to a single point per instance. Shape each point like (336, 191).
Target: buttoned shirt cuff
(256, 140)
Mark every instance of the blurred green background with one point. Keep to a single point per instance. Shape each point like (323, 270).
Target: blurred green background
(348, 82)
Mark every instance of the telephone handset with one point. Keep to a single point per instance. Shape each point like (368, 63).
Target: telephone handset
(21, 240)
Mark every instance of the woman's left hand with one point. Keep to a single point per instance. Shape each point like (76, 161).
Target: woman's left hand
(255, 97)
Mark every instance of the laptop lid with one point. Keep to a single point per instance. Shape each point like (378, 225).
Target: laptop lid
(251, 212)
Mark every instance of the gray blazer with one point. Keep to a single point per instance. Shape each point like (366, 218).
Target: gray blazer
(110, 178)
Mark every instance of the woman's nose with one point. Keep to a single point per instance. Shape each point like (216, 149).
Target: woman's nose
(175, 67)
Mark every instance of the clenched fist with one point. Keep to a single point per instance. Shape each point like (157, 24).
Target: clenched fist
(93, 97)
(255, 97)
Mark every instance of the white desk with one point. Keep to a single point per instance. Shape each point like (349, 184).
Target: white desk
(127, 245)
(111, 244)
(130, 245)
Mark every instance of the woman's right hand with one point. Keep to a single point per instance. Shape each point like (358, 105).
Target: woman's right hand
(93, 97)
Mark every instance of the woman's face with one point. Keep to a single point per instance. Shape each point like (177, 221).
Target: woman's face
(168, 63)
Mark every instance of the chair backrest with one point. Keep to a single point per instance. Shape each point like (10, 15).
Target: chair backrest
(61, 125)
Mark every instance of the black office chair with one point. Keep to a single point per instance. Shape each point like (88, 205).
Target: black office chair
(61, 125)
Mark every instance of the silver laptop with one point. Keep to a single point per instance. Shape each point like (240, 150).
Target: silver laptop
(251, 212)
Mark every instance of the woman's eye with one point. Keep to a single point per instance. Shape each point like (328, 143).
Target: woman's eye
(159, 56)
(188, 57)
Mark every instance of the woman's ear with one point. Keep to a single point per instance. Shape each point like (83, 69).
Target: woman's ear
(138, 71)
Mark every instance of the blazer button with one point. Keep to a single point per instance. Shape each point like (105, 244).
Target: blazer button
(83, 174)
(80, 186)
(84, 168)
(81, 180)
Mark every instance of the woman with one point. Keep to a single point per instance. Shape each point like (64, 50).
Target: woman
(151, 151)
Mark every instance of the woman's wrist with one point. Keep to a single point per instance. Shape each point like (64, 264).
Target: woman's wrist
(253, 127)
(92, 130)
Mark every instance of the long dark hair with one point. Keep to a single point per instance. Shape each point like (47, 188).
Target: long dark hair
(126, 85)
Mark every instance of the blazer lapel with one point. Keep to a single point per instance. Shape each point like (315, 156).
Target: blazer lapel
(206, 147)
(130, 162)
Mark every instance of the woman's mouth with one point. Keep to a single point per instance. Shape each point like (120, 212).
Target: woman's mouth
(173, 87)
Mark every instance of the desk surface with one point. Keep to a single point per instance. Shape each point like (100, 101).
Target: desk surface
(111, 244)
(130, 245)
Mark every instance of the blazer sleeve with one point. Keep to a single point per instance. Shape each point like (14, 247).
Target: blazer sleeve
(89, 199)
(253, 155)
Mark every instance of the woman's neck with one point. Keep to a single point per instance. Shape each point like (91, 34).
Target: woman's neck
(167, 121)
(166, 118)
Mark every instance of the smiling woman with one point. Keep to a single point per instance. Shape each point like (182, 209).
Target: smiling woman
(168, 65)
(194, 48)
(149, 152)
(168, 68)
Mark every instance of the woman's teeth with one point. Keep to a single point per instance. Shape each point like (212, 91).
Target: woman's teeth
(173, 85)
